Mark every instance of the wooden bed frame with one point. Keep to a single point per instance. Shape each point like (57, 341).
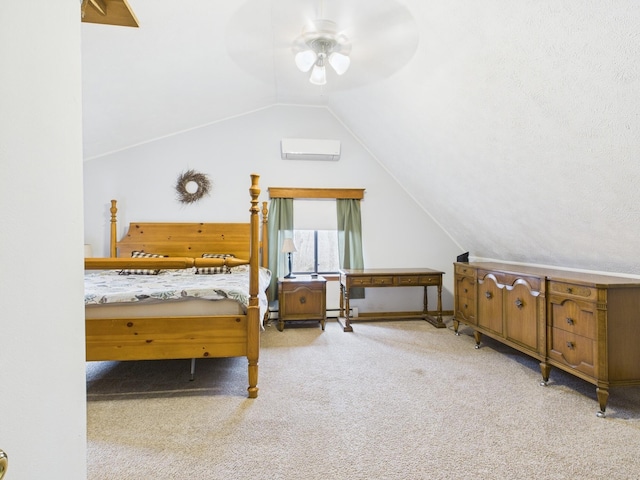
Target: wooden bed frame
(177, 337)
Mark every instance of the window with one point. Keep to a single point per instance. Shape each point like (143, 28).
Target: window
(317, 251)
(315, 236)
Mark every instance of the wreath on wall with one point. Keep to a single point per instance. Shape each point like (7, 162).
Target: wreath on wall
(191, 186)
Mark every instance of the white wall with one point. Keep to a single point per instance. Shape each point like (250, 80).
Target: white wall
(523, 116)
(42, 373)
(396, 232)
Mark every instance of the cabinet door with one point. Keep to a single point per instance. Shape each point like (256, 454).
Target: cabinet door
(521, 315)
(304, 302)
(490, 304)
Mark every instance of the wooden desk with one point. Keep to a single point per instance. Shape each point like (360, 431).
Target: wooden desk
(390, 277)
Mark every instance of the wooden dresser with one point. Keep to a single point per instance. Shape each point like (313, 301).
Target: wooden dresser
(585, 324)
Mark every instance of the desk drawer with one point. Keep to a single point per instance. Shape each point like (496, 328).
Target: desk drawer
(381, 281)
(430, 280)
(360, 281)
(409, 280)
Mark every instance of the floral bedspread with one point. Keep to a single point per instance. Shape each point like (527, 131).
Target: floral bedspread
(107, 286)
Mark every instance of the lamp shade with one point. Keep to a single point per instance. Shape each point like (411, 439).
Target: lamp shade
(339, 62)
(318, 75)
(306, 59)
(288, 246)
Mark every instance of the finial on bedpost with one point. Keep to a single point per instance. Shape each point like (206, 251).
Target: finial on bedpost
(114, 230)
(254, 190)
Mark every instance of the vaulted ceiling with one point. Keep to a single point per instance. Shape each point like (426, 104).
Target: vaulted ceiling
(514, 124)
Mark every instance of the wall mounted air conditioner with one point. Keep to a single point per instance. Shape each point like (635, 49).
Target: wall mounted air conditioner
(309, 149)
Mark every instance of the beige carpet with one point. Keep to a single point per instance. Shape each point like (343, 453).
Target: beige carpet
(392, 400)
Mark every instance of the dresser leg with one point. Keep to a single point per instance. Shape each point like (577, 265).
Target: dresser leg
(603, 397)
(478, 336)
(545, 369)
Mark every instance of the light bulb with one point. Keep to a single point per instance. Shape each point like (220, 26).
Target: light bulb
(318, 75)
(305, 60)
(339, 62)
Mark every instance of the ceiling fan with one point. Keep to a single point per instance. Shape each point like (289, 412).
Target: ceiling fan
(108, 12)
(363, 40)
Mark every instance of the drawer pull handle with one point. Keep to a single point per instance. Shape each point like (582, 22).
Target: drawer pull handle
(488, 294)
(465, 290)
(569, 290)
(303, 300)
(466, 306)
(570, 321)
(519, 303)
(571, 345)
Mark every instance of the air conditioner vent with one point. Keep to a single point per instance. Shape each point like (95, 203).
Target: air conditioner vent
(310, 149)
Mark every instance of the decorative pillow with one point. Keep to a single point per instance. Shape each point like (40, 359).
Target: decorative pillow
(141, 271)
(214, 270)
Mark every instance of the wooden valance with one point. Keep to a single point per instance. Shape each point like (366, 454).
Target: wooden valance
(342, 193)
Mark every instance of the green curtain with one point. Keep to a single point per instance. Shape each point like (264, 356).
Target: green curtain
(350, 238)
(280, 227)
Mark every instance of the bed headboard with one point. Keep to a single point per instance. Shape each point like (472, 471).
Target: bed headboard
(193, 239)
(186, 239)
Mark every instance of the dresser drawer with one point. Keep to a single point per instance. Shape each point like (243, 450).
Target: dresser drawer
(465, 270)
(573, 317)
(466, 288)
(575, 351)
(569, 289)
(360, 281)
(466, 310)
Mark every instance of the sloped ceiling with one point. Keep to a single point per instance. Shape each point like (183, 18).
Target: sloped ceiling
(514, 124)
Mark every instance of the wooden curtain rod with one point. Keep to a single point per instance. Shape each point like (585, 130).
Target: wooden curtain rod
(284, 192)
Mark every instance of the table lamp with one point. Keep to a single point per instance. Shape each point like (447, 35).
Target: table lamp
(288, 247)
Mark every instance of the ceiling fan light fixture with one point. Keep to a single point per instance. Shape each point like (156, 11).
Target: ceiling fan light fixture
(318, 75)
(339, 62)
(305, 60)
(317, 43)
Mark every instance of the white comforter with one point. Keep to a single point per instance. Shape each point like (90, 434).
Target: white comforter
(107, 286)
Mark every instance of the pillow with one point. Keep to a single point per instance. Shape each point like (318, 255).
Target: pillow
(141, 271)
(215, 270)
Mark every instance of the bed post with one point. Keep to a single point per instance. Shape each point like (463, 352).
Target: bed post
(265, 236)
(114, 231)
(253, 310)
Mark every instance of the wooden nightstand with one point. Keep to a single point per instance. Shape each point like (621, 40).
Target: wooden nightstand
(302, 298)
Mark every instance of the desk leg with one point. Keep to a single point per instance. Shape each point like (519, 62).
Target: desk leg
(435, 321)
(344, 309)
